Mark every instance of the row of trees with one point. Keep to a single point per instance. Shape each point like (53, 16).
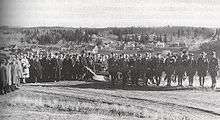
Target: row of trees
(176, 32)
(49, 35)
(52, 36)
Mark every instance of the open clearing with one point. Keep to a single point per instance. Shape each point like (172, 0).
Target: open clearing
(80, 100)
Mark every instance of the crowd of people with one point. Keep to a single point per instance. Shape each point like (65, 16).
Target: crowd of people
(150, 68)
(128, 68)
(32, 67)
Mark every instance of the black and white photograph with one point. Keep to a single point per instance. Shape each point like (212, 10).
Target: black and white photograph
(109, 59)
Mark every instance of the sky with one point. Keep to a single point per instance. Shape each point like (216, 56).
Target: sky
(110, 13)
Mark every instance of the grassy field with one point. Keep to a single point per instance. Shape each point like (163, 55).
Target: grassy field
(80, 100)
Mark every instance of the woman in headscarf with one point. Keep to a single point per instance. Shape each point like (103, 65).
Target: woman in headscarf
(19, 70)
(3, 76)
(25, 66)
(8, 74)
(14, 75)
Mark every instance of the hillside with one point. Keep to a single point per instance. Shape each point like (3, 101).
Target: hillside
(192, 36)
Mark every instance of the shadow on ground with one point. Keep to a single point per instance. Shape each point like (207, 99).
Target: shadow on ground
(108, 86)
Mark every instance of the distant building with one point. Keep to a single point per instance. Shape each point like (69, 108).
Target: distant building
(95, 50)
(152, 37)
(160, 44)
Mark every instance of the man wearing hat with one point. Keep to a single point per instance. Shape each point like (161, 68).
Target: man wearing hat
(191, 68)
(112, 69)
(159, 67)
(213, 68)
(68, 67)
(44, 64)
(179, 69)
(132, 68)
(148, 64)
(54, 67)
(169, 68)
(202, 67)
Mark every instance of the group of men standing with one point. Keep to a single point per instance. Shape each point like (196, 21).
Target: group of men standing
(30, 67)
(149, 68)
(129, 68)
(55, 67)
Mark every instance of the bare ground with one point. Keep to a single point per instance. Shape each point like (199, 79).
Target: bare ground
(79, 100)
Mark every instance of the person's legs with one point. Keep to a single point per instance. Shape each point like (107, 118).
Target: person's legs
(2, 89)
(180, 80)
(200, 80)
(113, 78)
(158, 78)
(191, 80)
(124, 79)
(203, 81)
(146, 80)
(213, 81)
(168, 80)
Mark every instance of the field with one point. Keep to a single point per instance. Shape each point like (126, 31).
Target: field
(79, 100)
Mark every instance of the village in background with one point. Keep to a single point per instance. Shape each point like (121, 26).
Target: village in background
(112, 39)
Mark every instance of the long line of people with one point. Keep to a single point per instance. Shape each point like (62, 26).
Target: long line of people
(132, 69)
(129, 68)
(33, 67)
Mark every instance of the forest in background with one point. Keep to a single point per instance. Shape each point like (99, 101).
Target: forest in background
(52, 35)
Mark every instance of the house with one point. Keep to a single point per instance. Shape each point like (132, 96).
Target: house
(160, 44)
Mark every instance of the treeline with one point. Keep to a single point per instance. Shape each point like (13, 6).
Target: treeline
(52, 36)
(176, 32)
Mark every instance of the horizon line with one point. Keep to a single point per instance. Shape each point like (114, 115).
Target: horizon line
(11, 26)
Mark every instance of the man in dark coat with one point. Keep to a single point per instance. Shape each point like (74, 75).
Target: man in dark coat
(60, 66)
(202, 68)
(149, 70)
(185, 58)
(67, 68)
(169, 68)
(54, 68)
(159, 67)
(133, 70)
(88, 75)
(32, 71)
(213, 68)
(112, 69)
(140, 67)
(37, 76)
(179, 66)
(77, 68)
(49, 67)
(43, 62)
(191, 69)
(123, 69)
(125, 73)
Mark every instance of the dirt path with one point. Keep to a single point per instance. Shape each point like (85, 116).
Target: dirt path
(69, 99)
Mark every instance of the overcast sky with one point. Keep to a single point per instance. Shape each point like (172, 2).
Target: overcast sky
(110, 13)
